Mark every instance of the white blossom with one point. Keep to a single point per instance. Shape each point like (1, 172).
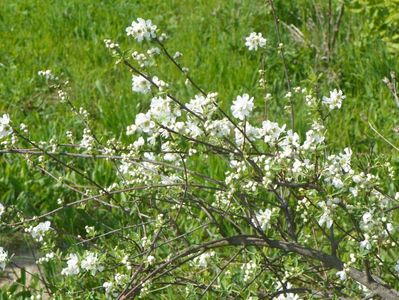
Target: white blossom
(47, 74)
(219, 128)
(144, 123)
(90, 230)
(91, 263)
(390, 228)
(142, 30)
(337, 183)
(110, 44)
(335, 99)
(131, 129)
(87, 141)
(139, 142)
(289, 144)
(297, 166)
(397, 267)
(326, 216)
(49, 256)
(365, 244)
(140, 58)
(197, 104)
(367, 218)
(2, 209)
(342, 275)
(162, 85)
(108, 286)
(150, 259)
(154, 51)
(263, 218)
(314, 138)
(39, 231)
(202, 260)
(140, 84)
(163, 37)
(72, 266)
(271, 131)
(255, 40)
(249, 269)
(193, 129)
(161, 111)
(120, 278)
(242, 106)
(3, 258)
(5, 128)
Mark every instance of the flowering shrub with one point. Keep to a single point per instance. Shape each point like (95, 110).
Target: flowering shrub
(281, 216)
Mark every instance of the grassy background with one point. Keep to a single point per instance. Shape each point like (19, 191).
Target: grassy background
(67, 37)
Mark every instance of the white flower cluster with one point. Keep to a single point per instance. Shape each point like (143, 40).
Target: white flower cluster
(90, 230)
(2, 209)
(343, 274)
(3, 258)
(114, 47)
(327, 207)
(62, 95)
(202, 105)
(202, 260)
(262, 218)
(151, 259)
(108, 286)
(160, 112)
(335, 99)
(219, 128)
(119, 281)
(83, 113)
(89, 263)
(72, 266)
(249, 269)
(242, 107)
(142, 30)
(87, 141)
(39, 230)
(125, 261)
(255, 41)
(314, 137)
(110, 44)
(140, 84)
(162, 85)
(47, 74)
(154, 51)
(5, 128)
(337, 167)
(140, 58)
(48, 257)
(287, 154)
(374, 223)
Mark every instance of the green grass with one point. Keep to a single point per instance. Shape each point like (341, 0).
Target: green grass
(67, 37)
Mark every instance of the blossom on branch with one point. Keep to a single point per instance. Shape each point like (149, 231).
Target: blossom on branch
(255, 41)
(142, 30)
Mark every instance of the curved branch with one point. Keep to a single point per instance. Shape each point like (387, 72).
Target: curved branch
(377, 286)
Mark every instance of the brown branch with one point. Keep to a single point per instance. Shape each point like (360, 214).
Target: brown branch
(377, 286)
